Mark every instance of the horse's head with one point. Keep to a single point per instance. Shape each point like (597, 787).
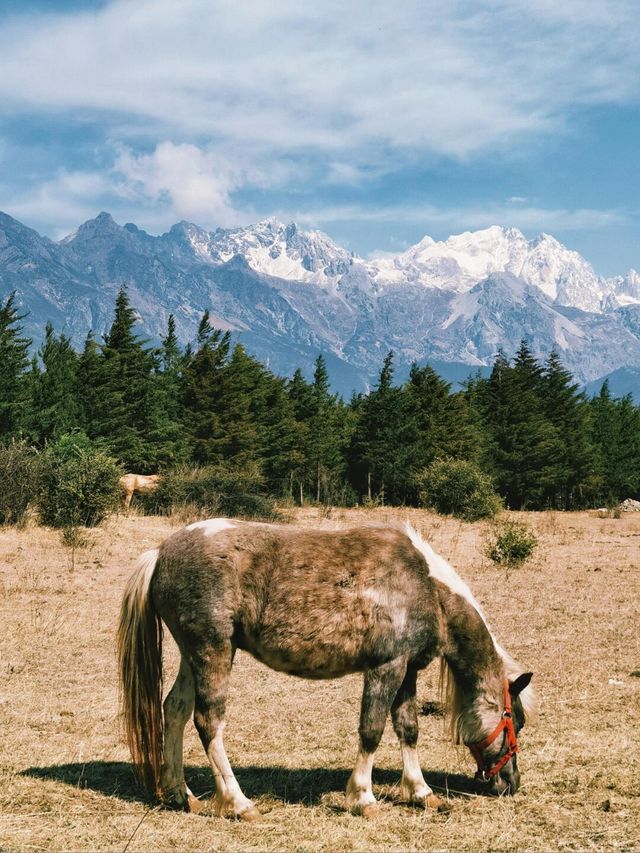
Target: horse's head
(495, 755)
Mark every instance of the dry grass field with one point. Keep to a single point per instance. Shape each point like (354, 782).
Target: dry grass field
(571, 615)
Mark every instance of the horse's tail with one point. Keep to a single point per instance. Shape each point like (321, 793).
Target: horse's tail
(140, 668)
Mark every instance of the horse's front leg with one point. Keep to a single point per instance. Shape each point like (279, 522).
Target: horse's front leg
(380, 686)
(404, 714)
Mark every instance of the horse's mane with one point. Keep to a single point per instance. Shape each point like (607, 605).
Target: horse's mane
(444, 572)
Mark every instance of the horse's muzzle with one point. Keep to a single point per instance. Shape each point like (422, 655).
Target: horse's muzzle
(506, 782)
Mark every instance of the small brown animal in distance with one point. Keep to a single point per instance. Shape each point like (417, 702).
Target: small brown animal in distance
(142, 483)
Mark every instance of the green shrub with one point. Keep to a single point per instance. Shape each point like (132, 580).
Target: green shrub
(19, 466)
(511, 543)
(78, 483)
(457, 487)
(224, 490)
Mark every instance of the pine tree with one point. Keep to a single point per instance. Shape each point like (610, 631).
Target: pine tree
(202, 391)
(54, 406)
(241, 409)
(616, 437)
(301, 396)
(320, 428)
(573, 474)
(283, 440)
(379, 453)
(13, 362)
(625, 474)
(91, 381)
(170, 354)
(128, 417)
(171, 442)
(327, 438)
(438, 423)
(523, 446)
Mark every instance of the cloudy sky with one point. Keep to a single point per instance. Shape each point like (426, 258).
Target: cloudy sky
(377, 122)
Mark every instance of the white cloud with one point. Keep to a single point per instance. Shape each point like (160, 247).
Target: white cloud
(528, 218)
(190, 183)
(171, 182)
(360, 78)
(208, 98)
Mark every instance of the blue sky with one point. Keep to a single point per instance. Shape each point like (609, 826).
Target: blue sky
(376, 122)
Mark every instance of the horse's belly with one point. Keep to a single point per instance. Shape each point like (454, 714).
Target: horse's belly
(323, 653)
(314, 669)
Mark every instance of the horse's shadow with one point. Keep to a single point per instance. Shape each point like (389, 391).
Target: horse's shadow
(305, 786)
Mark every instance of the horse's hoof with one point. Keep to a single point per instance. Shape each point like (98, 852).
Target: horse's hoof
(251, 815)
(370, 811)
(439, 805)
(177, 802)
(194, 805)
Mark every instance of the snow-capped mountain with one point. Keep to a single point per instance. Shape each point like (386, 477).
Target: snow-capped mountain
(464, 259)
(275, 249)
(289, 294)
(624, 290)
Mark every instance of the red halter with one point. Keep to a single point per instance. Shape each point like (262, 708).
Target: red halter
(506, 725)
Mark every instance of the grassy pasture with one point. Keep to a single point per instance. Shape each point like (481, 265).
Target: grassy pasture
(571, 615)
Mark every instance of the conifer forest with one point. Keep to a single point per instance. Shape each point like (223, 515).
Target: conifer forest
(526, 426)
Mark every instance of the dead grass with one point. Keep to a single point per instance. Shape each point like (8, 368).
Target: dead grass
(571, 614)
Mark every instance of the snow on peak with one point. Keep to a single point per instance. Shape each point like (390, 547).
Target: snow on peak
(456, 263)
(462, 260)
(623, 290)
(283, 251)
(562, 274)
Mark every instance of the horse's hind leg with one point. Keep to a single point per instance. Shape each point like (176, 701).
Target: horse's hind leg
(178, 707)
(380, 687)
(404, 715)
(211, 670)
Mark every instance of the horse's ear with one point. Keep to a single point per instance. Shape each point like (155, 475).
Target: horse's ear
(516, 687)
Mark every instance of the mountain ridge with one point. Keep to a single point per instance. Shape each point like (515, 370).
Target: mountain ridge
(288, 294)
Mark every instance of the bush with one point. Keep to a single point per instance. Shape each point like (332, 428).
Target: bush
(457, 487)
(78, 483)
(222, 489)
(19, 464)
(511, 543)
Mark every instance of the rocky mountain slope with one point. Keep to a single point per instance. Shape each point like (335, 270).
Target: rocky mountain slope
(289, 294)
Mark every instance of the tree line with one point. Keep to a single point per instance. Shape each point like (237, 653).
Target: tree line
(526, 425)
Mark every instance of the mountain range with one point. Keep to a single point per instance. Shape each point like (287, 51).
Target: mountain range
(289, 294)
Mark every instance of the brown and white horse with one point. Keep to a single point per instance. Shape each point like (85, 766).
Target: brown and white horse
(142, 483)
(317, 604)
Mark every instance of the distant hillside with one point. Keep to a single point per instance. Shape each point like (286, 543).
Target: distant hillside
(290, 294)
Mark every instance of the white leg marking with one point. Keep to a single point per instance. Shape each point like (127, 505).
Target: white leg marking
(211, 526)
(359, 793)
(413, 788)
(229, 797)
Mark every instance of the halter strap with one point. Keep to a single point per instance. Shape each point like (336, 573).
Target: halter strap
(506, 724)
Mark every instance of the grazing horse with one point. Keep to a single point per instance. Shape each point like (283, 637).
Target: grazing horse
(317, 604)
(142, 483)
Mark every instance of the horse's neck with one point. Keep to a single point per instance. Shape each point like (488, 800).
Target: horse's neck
(475, 667)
